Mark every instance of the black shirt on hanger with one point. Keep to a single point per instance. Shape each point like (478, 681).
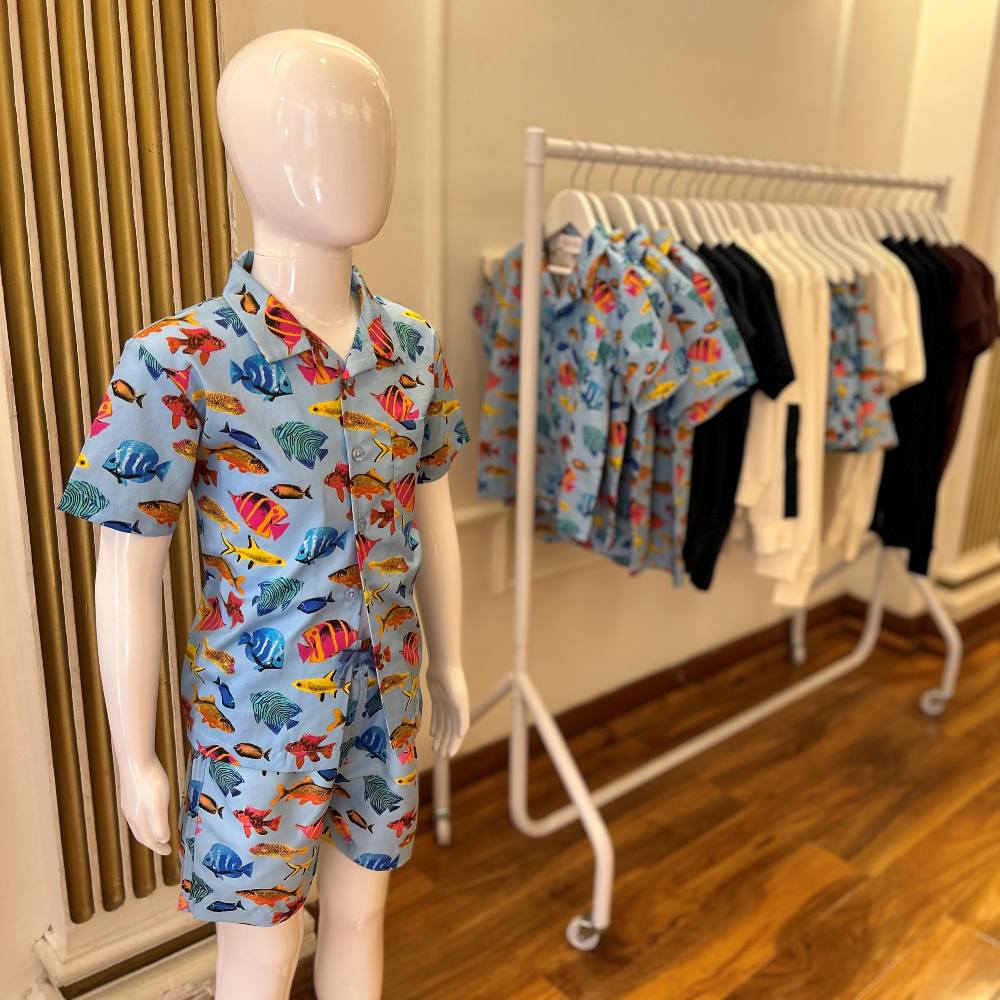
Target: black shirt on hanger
(719, 443)
(906, 506)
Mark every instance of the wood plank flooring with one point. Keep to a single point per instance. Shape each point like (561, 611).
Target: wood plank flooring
(847, 848)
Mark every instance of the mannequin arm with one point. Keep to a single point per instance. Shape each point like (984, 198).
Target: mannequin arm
(129, 604)
(439, 587)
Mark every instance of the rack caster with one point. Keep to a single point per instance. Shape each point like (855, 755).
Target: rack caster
(933, 702)
(442, 828)
(582, 934)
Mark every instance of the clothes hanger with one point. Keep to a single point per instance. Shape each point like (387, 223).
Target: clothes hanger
(723, 212)
(829, 227)
(687, 228)
(699, 207)
(642, 206)
(733, 209)
(598, 206)
(616, 204)
(753, 210)
(660, 207)
(569, 208)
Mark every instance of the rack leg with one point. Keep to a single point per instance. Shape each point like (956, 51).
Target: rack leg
(584, 931)
(934, 701)
(797, 637)
(442, 801)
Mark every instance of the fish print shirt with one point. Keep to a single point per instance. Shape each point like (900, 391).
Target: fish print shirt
(612, 356)
(498, 315)
(303, 467)
(720, 369)
(858, 417)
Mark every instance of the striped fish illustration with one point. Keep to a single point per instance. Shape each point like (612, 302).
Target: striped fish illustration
(374, 743)
(227, 777)
(300, 441)
(274, 710)
(377, 862)
(82, 499)
(409, 339)
(276, 593)
(379, 795)
(197, 888)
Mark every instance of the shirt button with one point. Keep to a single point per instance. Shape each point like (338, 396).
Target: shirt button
(349, 381)
(357, 453)
(352, 594)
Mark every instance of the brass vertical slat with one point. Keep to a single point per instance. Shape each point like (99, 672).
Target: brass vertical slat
(86, 222)
(179, 133)
(27, 367)
(206, 67)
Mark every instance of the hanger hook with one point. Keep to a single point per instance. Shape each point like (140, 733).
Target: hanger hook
(616, 166)
(591, 163)
(639, 169)
(577, 163)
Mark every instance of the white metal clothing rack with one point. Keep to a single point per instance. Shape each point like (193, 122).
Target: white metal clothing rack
(584, 930)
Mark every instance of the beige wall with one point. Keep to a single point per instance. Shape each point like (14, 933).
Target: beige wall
(829, 81)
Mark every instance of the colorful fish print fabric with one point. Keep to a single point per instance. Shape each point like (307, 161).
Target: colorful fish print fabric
(498, 316)
(613, 355)
(636, 348)
(250, 839)
(858, 417)
(303, 468)
(696, 315)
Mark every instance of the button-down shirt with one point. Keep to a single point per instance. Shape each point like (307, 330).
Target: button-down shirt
(303, 467)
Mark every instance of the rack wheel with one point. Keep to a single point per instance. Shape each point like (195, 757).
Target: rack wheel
(933, 702)
(442, 831)
(799, 654)
(582, 934)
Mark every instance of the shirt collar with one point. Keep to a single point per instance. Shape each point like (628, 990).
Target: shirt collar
(279, 335)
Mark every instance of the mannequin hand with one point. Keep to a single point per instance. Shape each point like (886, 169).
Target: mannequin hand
(145, 801)
(449, 707)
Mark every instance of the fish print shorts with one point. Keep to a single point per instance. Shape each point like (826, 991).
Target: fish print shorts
(250, 838)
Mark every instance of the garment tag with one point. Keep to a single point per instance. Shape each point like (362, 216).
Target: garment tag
(563, 249)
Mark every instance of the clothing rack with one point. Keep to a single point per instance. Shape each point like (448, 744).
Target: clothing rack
(584, 931)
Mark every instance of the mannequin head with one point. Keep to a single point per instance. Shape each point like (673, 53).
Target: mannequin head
(308, 127)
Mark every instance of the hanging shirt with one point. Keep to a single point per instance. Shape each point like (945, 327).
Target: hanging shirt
(718, 368)
(974, 319)
(719, 443)
(303, 468)
(610, 352)
(907, 499)
(498, 315)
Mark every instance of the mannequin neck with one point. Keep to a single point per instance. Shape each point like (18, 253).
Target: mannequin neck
(312, 280)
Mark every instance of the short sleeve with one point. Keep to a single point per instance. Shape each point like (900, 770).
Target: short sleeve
(138, 460)
(445, 431)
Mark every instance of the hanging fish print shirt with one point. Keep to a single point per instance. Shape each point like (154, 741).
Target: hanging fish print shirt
(303, 469)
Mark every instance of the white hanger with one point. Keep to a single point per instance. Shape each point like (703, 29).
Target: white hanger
(616, 204)
(570, 207)
(678, 211)
(642, 206)
(700, 209)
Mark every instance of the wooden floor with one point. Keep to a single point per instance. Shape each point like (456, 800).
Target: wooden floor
(848, 847)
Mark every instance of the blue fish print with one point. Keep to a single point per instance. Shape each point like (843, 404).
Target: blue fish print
(223, 860)
(278, 592)
(374, 743)
(266, 378)
(194, 793)
(320, 542)
(226, 317)
(83, 499)
(226, 776)
(314, 604)
(300, 441)
(136, 462)
(379, 795)
(265, 647)
(200, 889)
(274, 710)
(223, 906)
(129, 529)
(225, 694)
(244, 437)
(377, 862)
